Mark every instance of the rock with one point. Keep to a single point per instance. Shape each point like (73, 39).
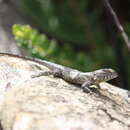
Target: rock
(51, 103)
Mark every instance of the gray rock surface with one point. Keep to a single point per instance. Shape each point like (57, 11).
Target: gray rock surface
(53, 104)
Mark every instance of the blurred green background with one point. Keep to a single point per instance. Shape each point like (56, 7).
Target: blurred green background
(79, 34)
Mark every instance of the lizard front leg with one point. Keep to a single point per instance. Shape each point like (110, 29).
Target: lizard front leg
(86, 86)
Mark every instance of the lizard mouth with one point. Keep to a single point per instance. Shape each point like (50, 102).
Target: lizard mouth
(115, 75)
(111, 75)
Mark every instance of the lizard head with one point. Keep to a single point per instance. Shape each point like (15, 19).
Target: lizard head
(103, 75)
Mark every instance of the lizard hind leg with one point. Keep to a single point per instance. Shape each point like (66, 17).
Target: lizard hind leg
(57, 73)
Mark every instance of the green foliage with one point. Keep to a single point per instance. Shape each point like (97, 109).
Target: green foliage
(36, 44)
(70, 21)
(65, 20)
(40, 46)
(81, 27)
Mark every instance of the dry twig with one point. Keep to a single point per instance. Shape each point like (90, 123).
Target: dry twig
(118, 24)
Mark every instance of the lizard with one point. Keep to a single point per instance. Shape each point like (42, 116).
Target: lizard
(84, 79)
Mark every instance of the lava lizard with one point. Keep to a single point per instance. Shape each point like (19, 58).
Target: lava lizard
(85, 79)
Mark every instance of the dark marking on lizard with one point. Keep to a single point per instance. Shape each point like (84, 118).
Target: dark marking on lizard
(85, 79)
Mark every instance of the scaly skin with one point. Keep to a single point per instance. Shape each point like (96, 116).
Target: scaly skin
(85, 79)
